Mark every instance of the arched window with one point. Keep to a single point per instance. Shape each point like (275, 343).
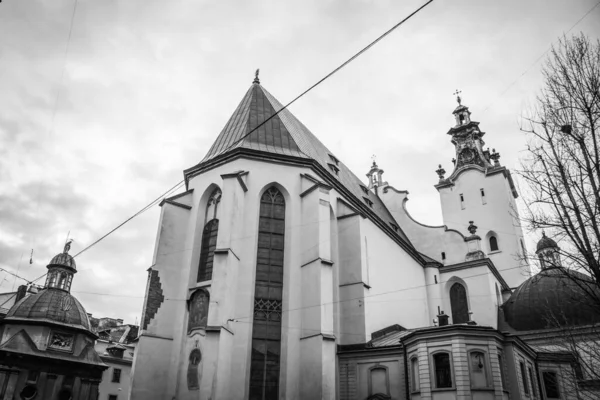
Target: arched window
(478, 368)
(459, 304)
(493, 243)
(208, 243)
(414, 375)
(198, 310)
(266, 331)
(207, 251)
(443, 370)
(192, 374)
(62, 281)
(52, 282)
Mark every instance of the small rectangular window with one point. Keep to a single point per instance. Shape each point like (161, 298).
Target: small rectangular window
(112, 397)
(501, 366)
(551, 385)
(443, 372)
(534, 392)
(524, 379)
(462, 201)
(368, 201)
(443, 255)
(116, 375)
(364, 189)
(435, 278)
(483, 201)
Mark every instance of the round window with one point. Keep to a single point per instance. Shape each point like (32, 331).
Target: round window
(29, 392)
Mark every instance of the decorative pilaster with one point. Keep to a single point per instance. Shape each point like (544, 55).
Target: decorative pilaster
(317, 342)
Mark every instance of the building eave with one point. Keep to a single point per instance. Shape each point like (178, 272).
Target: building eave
(318, 169)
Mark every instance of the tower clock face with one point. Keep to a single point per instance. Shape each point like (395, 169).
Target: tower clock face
(467, 155)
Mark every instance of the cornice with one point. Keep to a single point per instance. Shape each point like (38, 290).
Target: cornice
(282, 159)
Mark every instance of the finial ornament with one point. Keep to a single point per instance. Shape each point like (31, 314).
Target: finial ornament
(256, 80)
(441, 172)
(67, 246)
(457, 94)
(472, 228)
(374, 157)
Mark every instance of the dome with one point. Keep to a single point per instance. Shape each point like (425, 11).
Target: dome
(53, 306)
(555, 296)
(63, 260)
(545, 242)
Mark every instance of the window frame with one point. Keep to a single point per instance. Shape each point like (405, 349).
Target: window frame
(550, 371)
(468, 306)
(414, 379)
(501, 362)
(531, 380)
(434, 387)
(486, 369)
(524, 379)
(113, 397)
(492, 249)
(118, 375)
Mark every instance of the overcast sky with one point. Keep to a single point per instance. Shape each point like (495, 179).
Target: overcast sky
(90, 135)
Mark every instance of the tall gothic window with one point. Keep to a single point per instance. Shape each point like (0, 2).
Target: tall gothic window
(266, 332)
(458, 303)
(209, 237)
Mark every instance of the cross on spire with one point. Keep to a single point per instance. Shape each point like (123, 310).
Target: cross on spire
(374, 157)
(457, 94)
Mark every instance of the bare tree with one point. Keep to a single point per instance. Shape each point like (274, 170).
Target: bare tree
(562, 172)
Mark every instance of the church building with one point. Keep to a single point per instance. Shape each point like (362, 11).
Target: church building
(279, 274)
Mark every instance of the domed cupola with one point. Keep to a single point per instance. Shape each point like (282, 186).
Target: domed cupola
(555, 297)
(548, 252)
(54, 304)
(61, 270)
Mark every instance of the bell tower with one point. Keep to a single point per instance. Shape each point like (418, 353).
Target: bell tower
(480, 189)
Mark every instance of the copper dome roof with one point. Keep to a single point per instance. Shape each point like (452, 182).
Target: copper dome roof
(63, 260)
(545, 242)
(53, 306)
(554, 297)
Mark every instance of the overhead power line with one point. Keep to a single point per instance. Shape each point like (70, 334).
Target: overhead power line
(348, 61)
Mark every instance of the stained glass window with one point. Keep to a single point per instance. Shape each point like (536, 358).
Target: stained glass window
(266, 332)
(209, 237)
(458, 303)
(207, 252)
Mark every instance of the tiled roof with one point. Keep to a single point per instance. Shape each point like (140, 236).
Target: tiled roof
(285, 135)
(51, 305)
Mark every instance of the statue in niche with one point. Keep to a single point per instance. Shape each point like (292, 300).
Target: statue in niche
(198, 310)
(192, 375)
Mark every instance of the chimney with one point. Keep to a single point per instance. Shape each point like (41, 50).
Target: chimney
(442, 319)
(21, 292)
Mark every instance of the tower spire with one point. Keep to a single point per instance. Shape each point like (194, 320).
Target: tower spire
(256, 80)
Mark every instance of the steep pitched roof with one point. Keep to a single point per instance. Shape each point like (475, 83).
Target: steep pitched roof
(285, 136)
